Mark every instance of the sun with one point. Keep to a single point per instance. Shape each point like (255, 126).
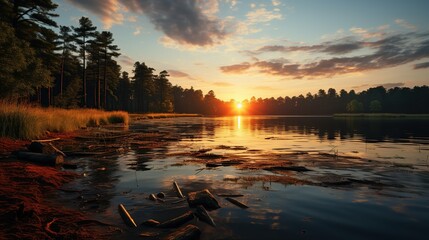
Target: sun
(239, 106)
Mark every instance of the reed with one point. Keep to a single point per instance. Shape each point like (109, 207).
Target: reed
(27, 122)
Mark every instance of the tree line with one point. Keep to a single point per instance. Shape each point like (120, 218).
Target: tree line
(75, 66)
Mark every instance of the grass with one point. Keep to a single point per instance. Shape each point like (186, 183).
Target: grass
(26, 122)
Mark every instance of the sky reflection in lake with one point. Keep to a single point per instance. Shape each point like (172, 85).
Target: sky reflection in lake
(383, 201)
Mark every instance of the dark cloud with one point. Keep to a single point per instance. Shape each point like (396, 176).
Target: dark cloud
(188, 22)
(342, 47)
(389, 52)
(421, 65)
(107, 10)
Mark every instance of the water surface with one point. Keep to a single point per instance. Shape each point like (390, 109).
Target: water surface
(388, 198)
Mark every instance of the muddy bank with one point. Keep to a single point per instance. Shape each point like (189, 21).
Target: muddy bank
(27, 212)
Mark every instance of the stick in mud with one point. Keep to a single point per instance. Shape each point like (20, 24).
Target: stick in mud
(204, 216)
(126, 216)
(236, 202)
(178, 191)
(185, 233)
(177, 221)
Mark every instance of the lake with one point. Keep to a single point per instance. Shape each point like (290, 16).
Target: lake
(301, 177)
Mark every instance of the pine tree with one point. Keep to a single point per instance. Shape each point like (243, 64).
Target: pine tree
(105, 41)
(83, 35)
(66, 46)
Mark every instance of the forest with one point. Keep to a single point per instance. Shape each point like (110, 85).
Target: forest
(45, 64)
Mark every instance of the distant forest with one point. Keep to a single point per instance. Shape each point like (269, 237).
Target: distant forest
(74, 66)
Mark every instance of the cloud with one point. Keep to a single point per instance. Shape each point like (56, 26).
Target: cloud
(188, 22)
(343, 46)
(262, 15)
(137, 31)
(179, 74)
(107, 10)
(391, 85)
(236, 68)
(405, 24)
(388, 52)
(367, 34)
(275, 2)
(421, 65)
(126, 60)
(223, 84)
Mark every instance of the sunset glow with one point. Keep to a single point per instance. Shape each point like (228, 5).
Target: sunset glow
(265, 48)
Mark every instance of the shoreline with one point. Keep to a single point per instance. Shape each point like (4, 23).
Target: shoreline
(27, 210)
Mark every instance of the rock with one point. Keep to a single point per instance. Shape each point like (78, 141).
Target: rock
(160, 195)
(204, 198)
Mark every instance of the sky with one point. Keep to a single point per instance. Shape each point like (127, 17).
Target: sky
(267, 48)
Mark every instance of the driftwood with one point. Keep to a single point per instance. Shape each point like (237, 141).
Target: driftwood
(151, 223)
(229, 195)
(204, 198)
(126, 216)
(46, 140)
(188, 232)
(236, 202)
(178, 191)
(204, 216)
(177, 221)
(288, 168)
(40, 158)
(152, 197)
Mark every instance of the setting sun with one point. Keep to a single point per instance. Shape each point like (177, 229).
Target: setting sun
(239, 106)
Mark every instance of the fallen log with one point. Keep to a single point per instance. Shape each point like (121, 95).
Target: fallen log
(229, 195)
(178, 191)
(40, 158)
(236, 202)
(42, 147)
(126, 216)
(188, 232)
(177, 221)
(204, 216)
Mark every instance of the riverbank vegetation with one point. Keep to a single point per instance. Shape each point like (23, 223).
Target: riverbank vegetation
(26, 122)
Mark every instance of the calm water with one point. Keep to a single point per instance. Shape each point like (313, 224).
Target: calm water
(396, 209)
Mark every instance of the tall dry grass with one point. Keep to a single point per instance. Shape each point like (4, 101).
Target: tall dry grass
(26, 122)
